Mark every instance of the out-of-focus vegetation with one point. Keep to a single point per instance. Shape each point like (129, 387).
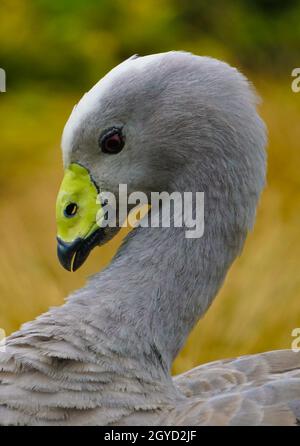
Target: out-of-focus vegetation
(55, 50)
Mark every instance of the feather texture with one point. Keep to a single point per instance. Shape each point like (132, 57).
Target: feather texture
(39, 387)
(104, 357)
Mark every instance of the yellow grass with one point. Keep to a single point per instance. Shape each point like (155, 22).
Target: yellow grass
(259, 304)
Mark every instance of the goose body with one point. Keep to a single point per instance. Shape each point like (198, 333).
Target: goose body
(178, 122)
(48, 389)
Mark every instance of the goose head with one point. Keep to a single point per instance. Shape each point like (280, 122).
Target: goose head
(164, 122)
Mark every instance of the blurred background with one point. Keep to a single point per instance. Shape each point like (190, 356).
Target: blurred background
(55, 50)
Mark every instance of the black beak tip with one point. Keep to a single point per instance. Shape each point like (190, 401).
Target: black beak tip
(72, 255)
(65, 254)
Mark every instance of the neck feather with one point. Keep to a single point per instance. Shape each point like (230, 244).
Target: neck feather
(157, 287)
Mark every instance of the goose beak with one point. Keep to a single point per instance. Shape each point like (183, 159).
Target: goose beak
(78, 217)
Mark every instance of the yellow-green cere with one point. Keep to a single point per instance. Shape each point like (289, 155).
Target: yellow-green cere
(77, 204)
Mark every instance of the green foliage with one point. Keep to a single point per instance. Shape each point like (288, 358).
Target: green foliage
(71, 43)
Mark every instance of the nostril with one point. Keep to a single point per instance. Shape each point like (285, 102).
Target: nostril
(70, 210)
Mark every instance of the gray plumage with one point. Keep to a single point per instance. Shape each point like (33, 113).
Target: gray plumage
(105, 356)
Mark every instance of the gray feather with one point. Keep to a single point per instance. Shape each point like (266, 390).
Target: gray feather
(105, 356)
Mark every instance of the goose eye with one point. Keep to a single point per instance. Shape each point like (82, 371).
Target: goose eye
(112, 142)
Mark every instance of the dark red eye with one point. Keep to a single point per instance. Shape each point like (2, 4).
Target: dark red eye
(112, 141)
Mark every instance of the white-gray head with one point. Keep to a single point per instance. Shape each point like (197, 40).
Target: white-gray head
(166, 122)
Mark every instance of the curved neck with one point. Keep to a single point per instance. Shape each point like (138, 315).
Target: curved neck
(156, 289)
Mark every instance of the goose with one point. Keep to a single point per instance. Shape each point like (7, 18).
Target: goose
(167, 122)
